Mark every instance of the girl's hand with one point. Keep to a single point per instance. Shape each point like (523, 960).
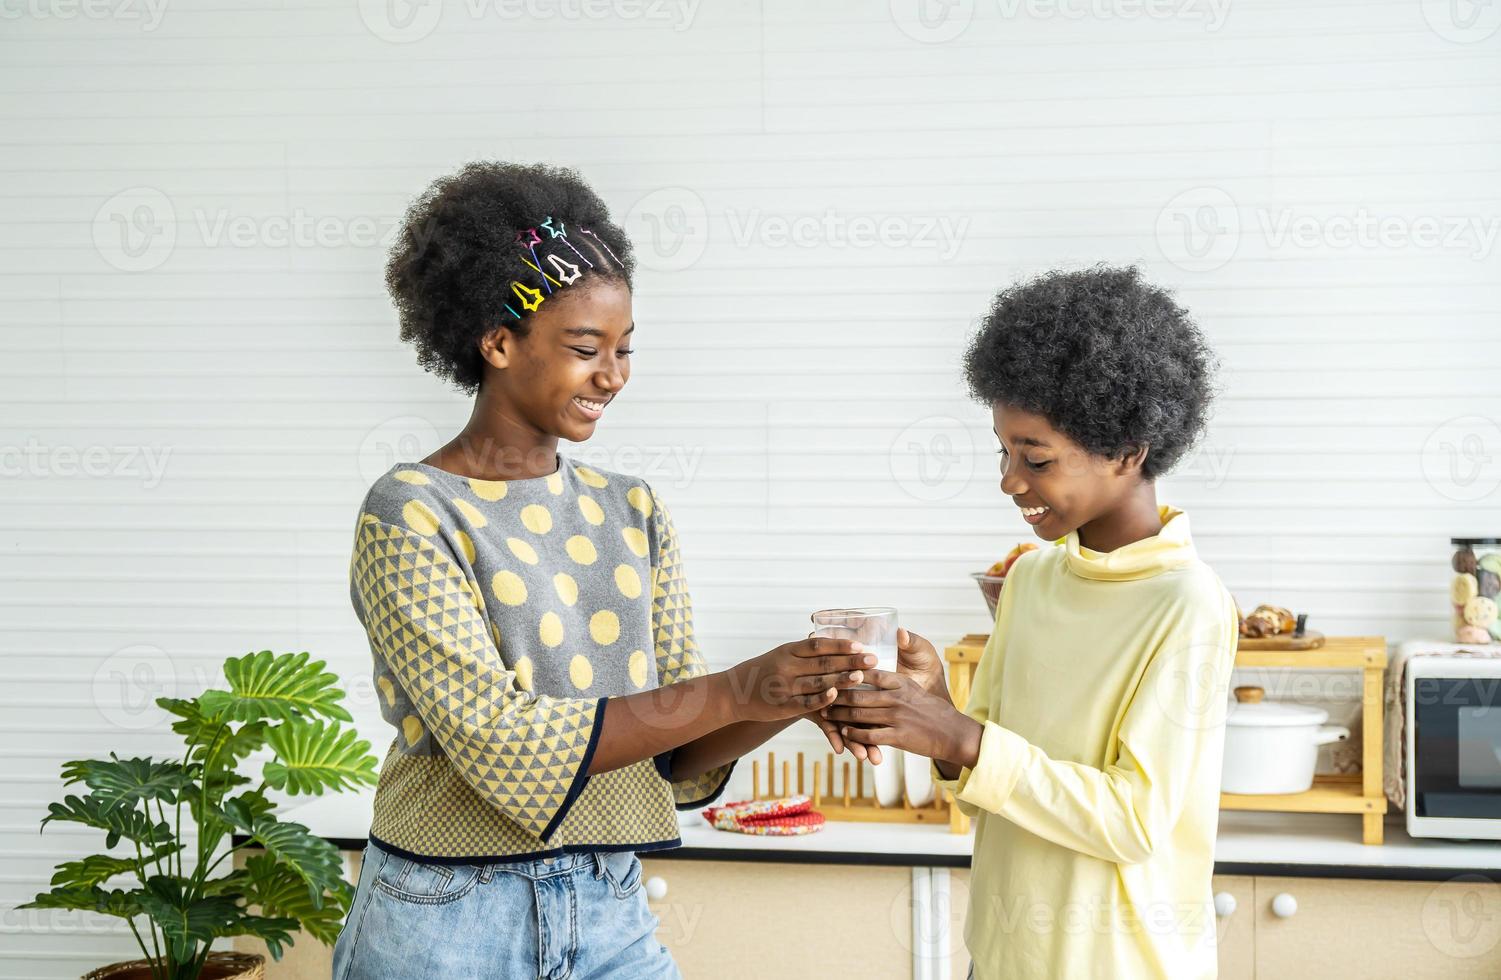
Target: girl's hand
(905, 715)
(838, 743)
(795, 678)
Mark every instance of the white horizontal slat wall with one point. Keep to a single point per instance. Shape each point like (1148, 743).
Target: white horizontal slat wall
(824, 198)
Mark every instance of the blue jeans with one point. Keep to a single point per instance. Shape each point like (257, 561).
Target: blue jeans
(575, 915)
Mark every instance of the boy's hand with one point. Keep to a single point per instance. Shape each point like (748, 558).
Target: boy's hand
(795, 678)
(917, 658)
(903, 714)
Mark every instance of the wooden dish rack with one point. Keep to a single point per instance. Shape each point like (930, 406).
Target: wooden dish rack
(1357, 793)
(851, 803)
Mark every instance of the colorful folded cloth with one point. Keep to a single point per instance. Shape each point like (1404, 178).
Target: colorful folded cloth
(786, 816)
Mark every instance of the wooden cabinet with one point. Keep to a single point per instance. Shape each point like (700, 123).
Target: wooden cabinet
(728, 920)
(1323, 927)
(741, 919)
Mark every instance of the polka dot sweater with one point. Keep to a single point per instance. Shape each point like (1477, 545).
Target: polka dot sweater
(501, 616)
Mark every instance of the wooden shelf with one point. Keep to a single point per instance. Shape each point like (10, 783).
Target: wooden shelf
(1330, 794)
(1360, 793)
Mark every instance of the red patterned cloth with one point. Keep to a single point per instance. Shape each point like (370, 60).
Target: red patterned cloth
(787, 816)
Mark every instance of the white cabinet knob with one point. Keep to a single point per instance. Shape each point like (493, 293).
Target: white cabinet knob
(1224, 905)
(656, 888)
(1284, 906)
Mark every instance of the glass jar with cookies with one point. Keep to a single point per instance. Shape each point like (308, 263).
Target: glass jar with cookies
(1475, 589)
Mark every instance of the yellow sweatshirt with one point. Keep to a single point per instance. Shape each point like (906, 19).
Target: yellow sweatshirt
(1096, 791)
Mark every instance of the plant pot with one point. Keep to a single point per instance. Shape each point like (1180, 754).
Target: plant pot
(1271, 748)
(224, 965)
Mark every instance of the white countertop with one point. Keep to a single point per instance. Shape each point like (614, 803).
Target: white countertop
(1245, 838)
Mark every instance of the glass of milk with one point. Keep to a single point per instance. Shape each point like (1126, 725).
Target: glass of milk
(875, 628)
(872, 626)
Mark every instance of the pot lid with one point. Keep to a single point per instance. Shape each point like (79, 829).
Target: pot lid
(1272, 714)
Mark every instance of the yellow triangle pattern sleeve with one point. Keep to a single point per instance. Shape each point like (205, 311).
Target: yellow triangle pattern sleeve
(677, 654)
(527, 755)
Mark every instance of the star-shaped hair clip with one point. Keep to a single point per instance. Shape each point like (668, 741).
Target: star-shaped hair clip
(527, 238)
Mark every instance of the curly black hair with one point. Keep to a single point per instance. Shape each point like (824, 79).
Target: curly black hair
(455, 257)
(1110, 361)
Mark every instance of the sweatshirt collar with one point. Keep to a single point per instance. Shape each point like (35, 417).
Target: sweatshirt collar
(1169, 548)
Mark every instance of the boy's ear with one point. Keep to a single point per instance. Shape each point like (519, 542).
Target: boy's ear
(496, 347)
(1132, 460)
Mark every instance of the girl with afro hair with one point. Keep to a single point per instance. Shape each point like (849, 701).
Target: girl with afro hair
(529, 619)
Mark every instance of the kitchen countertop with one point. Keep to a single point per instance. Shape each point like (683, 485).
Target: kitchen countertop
(1315, 845)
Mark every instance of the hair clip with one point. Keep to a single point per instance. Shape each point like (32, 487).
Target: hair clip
(530, 298)
(602, 244)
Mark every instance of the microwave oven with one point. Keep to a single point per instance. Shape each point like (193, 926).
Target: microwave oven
(1453, 747)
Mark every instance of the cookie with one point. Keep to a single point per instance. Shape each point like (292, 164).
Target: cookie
(1489, 583)
(1495, 630)
(1472, 634)
(1491, 562)
(1463, 588)
(1480, 611)
(1464, 561)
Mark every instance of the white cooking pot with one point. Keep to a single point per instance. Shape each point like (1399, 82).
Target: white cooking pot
(1271, 747)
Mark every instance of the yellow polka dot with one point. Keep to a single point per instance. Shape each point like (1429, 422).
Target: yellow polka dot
(604, 626)
(387, 690)
(590, 477)
(411, 727)
(524, 673)
(568, 589)
(471, 513)
(635, 539)
(640, 499)
(550, 630)
(628, 582)
(581, 672)
(488, 489)
(637, 668)
(581, 550)
(509, 588)
(413, 477)
(536, 518)
(591, 510)
(419, 517)
(522, 550)
(466, 544)
(555, 483)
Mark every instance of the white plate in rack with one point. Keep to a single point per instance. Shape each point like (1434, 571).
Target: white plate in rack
(918, 776)
(888, 776)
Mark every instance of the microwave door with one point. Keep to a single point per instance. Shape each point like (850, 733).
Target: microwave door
(1456, 745)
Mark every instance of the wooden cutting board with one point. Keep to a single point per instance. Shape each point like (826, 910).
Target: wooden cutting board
(1310, 640)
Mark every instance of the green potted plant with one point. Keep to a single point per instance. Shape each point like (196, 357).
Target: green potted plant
(281, 703)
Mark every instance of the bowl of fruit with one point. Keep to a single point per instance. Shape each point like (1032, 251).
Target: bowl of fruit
(994, 577)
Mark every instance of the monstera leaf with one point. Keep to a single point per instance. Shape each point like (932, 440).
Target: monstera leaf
(120, 782)
(96, 869)
(89, 898)
(313, 757)
(184, 920)
(280, 891)
(132, 825)
(277, 687)
(215, 743)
